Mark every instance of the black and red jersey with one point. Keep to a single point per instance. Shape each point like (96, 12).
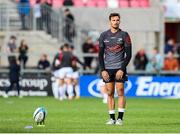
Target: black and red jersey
(114, 50)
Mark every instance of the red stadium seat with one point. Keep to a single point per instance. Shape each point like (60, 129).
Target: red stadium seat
(58, 3)
(101, 3)
(144, 3)
(79, 3)
(123, 3)
(91, 3)
(134, 3)
(32, 2)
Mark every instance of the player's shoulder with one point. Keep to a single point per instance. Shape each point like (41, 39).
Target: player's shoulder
(104, 33)
(124, 32)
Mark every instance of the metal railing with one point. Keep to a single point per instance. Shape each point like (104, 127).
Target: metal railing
(24, 17)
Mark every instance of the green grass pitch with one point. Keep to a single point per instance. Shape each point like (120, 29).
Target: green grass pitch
(88, 115)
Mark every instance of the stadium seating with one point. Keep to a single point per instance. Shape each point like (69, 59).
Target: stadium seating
(32, 2)
(144, 3)
(134, 3)
(101, 3)
(112, 3)
(91, 3)
(79, 3)
(57, 3)
(123, 3)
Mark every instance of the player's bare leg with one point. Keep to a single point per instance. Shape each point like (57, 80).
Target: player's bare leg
(77, 88)
(61, 89)
(121, 102)
(111, 102)
(104, 93)
(69, 88)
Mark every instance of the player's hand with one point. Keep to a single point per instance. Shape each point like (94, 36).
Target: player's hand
(105, 75)
(119, 74)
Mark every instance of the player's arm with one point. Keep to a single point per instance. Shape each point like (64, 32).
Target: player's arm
(128, 51)
(101, 53)
(80, 62)
(104, 73)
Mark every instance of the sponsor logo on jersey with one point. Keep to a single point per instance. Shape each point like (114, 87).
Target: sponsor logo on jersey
(106, 40)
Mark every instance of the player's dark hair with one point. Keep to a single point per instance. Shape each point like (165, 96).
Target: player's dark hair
(66, 45)
(13, 37)
(113, 15)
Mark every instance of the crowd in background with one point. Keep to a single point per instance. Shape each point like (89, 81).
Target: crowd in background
(22, 50)
(154, 61)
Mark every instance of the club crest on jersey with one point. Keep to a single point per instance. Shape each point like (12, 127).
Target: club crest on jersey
(119, 41)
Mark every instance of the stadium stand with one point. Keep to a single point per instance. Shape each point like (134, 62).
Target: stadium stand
(144, 34)
(102, 3)
(123, 3)
(144, 3)
(134, 3)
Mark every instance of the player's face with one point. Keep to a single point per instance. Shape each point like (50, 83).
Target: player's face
(114, 22)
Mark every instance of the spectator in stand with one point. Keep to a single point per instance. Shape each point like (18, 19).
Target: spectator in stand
(24, 12)
(178, 52)
(11, 48)
(88, 47)
(170, 46)
(170, 62)
(155, 61)
(140, 60)
(23, 49)
(69, 26)
(68, 3)
(38, 15)
(44, 63)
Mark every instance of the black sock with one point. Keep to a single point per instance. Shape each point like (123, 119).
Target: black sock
(112, 116)
(120, 115)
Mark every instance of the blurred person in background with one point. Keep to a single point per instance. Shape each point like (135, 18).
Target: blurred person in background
(140, 60)
(170, 62)
(55, 68)
(44, 63)
(14, 74)
(69, 26)
(155, 61)
(103, 89)
(68, 3)
(88, 47)
(114, 56)
(64, 73)
(178, 52)
(23, 49)
(11, 48)
(75, 74)
(38, 14)
(24, 12)
(170, 45)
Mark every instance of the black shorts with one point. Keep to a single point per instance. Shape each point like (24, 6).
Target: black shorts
(112, 76)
